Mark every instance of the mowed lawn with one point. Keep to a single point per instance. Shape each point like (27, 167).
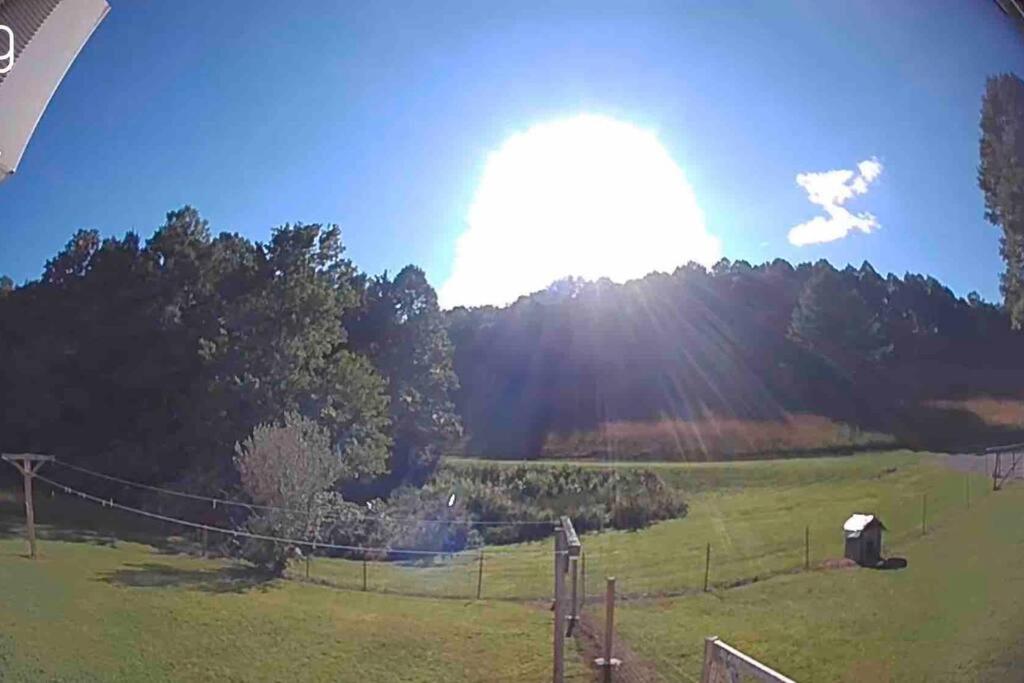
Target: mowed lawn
(955, 613)
(89, 612)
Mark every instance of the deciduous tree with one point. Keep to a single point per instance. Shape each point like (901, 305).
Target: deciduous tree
(1001, 177)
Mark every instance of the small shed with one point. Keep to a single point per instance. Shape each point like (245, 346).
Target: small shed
(863, 535)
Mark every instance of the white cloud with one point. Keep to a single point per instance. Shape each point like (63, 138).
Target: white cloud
(830, 190)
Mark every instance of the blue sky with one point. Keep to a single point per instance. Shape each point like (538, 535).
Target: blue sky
(381, 116)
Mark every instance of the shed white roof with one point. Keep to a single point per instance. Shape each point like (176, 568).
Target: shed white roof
(858, 523)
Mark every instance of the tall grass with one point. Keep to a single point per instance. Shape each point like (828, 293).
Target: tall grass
(994, 412)
(711, 438)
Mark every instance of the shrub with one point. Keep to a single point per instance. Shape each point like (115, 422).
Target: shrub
(531, 497)
(466, 506)
(284, 466)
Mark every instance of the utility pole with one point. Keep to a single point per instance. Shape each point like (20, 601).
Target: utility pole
(28, 464)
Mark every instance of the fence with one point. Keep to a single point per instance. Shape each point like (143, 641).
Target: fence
(718, 553)
(757, 537)
(725, 664)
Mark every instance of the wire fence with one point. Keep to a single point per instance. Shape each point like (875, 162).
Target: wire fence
(670, 559)
(712, 549)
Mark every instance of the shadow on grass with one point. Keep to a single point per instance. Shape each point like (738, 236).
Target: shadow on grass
(219, 580)
(893, 563)
(72, 521)
(164, 545)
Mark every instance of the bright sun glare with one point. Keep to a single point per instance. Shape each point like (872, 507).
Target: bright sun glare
(587, 196)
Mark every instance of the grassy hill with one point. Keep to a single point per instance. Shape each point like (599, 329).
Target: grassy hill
(754, 514)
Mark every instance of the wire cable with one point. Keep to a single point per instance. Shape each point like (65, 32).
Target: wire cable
(110, 502)
(255, 506)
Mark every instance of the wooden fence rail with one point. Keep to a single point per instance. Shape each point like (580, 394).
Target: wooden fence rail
(725, 664)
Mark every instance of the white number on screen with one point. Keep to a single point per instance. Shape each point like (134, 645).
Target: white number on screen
(7, 58)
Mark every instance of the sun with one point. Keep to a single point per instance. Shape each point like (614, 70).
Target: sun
(588, 196)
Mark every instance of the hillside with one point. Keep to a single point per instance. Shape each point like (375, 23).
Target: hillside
(737, 360)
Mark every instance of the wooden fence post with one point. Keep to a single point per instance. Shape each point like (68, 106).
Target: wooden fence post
(583, 580)
(558, 640)
(967, 482)
(608, 662)
(707, 567)
(574, 606)
(364, 572)
(709, 659)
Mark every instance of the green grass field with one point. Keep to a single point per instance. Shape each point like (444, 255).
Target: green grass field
(98, 609)
(955, 613)
(89, 612)
(754, 514)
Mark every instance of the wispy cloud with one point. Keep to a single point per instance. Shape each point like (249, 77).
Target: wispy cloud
(830, 190)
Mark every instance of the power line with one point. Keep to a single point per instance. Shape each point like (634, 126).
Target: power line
(255, 506)
(171, 492)
(110, 502)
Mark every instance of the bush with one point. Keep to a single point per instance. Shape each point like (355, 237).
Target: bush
(530, 498)
(466, 506)
(285, 466)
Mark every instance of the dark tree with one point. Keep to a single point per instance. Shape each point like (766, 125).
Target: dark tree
(1001, 177)
(400, 328)
(832, 317)
(155, 360)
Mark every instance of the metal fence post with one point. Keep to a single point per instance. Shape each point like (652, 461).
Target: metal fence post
(707, 567)
(480, 576)
(924, 514)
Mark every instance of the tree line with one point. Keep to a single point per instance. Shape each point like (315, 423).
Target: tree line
(154, 359)
(734, 341)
